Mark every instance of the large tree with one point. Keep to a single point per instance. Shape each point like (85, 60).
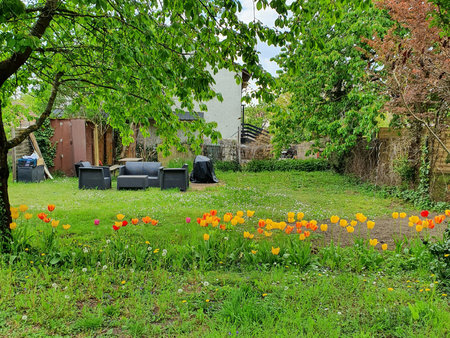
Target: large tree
(136, 60)
(333, 99)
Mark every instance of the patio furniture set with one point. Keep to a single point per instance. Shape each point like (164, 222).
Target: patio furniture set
(133, 175)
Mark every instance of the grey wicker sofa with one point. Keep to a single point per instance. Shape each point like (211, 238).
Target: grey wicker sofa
(94, 178)
(139, 175)
(175, 178)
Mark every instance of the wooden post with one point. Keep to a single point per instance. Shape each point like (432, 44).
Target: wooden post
(13, 153)
(96, 153)
(38, 151)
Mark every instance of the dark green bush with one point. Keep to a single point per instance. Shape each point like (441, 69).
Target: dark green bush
(287, 165)
(227, 166)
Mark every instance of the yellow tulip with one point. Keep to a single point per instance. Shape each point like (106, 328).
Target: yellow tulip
(118, 224)
(215, 223)
(302, 237)
(395, 215)
(350, 229)
(410, 224)
(205, 237)
(291, 220)
(353, 223)
(66, 226)
(15, 215)
(234, 221)
(13, 210)
(12, 225)
(370, 224)
(250, 213)
(343, 223)
(324, 227)
(275, 251)
(313, 222)
(402, 214)
(291, 215)
(360, 217)
(23, 208)
(241, 220)
(414, 219)
(419, 228)
(55, 223)
(28, 216)
(267, 234)
(384, 246)
(373, 242)
(240, 213)
(227, 218)
(300, 216)
(334, 219)
(254, 252)
(120, 217)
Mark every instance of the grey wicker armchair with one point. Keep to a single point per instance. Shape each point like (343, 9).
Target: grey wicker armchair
(94, 178)
(175, 178)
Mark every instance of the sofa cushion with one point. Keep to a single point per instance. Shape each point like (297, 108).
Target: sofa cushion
(134, 168)
(151, 168)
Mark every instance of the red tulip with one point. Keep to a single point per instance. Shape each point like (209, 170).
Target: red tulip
(124, 223)
(115, 227)
(51, 207)
(47, 220)
(41, 216)
(424, 213)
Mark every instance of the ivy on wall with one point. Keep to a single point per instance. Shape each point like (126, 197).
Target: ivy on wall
(43, 136)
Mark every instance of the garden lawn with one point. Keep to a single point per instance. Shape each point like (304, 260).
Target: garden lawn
(167, 280)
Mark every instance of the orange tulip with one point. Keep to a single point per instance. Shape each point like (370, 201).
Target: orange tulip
(51, 207)
(215, 223)
(41, 216)
(226, 218)
(261, 223)
(205, 237)
(134, 221)
(213, 212)
(439, 219)
(28, 216)
(447, 212)
(254, 252)
(289, 229)
(299, 230)
(307, 233)
(13, 209)
(47, 220)
(260, 230)
(146, 219)
(66, 226)
(298, 225)
(154, 222)
(223, 226)
(15, 215)
(275, 251)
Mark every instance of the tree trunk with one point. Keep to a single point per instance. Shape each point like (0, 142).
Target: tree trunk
(5, 213)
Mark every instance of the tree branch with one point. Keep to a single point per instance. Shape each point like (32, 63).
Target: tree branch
(18, 139)
(418, 118)
(12, 64)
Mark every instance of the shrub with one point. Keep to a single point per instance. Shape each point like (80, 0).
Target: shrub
(227, 166)
(287, 165)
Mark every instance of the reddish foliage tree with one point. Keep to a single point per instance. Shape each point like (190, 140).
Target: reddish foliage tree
(416, 58)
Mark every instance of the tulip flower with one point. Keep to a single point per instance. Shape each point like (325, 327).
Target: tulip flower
(15, 215)
(289, 229)
(118, 224)
(205, 237)
(313, 227)
(240, 213)
(241, 220)
(267, 234)
(410, 224)
(124, 223)
(439, 219)
(414, 219)
(275, 251)
(402, 214)
(248, 235)
(373, 242)
(261, 223)
(353, 223)
(51, 207)
(41, 216)
(213, 212)
(55, 223)
(343, 223)
(134, 221)
(203, 223)
(66, 226)
(447, 212)
(120, 217)
(424, 213)
(234, 221)
(154, 222)
(299, 230)
(215, 223)
(302, 237)
(188, 220)
(23, 208)
(227, 218)
(323, 227)
(250, 213)
(254, 252)
(307, 233)
(384, 247)
(334, 219)
(430, 224)
(28, 216)
(47, 220)
(291, 220)
(223, 227)
(395, 215)
(370, 225)
(419, 228)
(300, 216)
(291, 214)
(96, 221)
(115, 227)
(360, 217)
(260, 230)
(13, 209)
(350, 229)
(146, 219)
(12, 225)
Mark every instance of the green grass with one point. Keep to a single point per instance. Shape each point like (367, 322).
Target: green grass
(215, 288)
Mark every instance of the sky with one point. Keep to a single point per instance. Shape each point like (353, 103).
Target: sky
(267, 17)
